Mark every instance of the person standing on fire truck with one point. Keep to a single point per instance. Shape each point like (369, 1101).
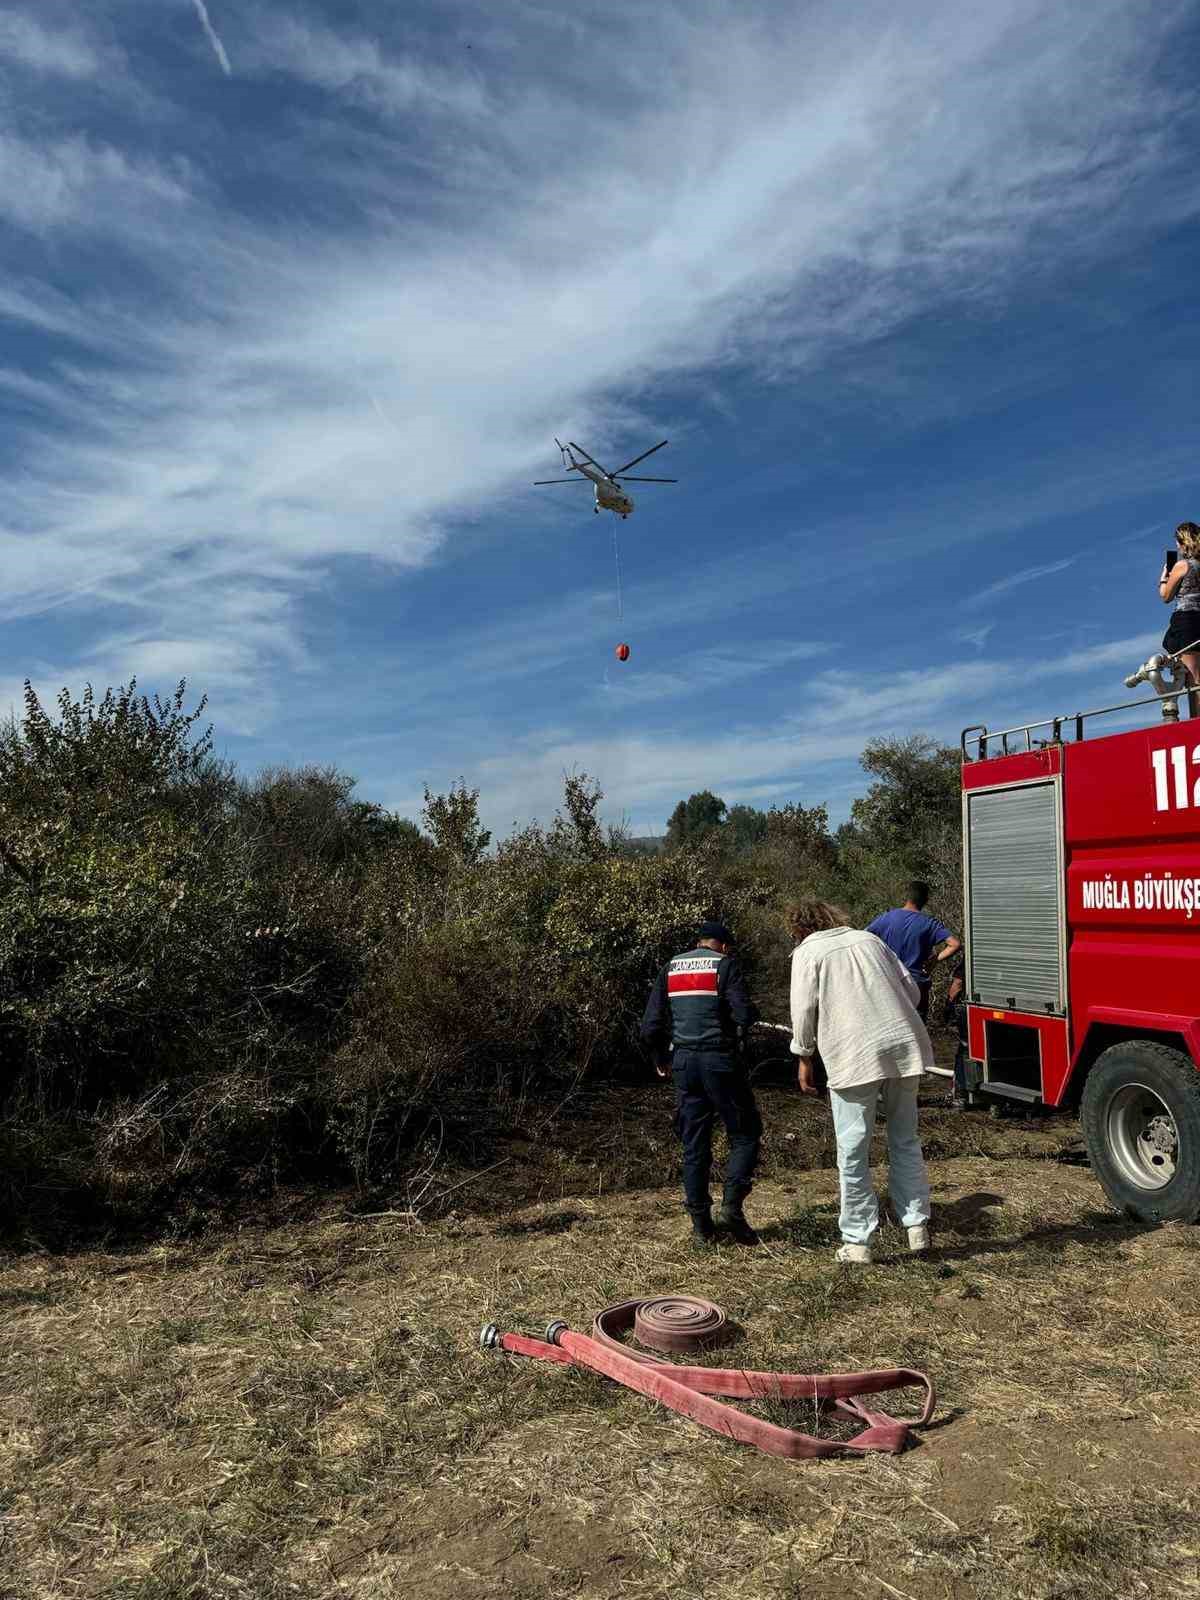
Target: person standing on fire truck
(1182, 584)
(695, 1011)
(913, 936)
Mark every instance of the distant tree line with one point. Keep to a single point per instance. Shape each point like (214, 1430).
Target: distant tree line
(906, 825)
(905, 813)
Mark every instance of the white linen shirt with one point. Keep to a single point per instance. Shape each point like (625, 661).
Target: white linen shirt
(854, 1002)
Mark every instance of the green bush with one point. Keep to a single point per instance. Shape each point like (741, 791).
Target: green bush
(148, 1035)
(209, 984)
(491, 979)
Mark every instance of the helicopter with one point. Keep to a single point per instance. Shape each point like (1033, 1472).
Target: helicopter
(608, 489)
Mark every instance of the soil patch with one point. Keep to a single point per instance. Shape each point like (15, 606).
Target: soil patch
(304, 1411)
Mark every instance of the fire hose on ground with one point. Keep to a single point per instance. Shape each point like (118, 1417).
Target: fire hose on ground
(683, 1324)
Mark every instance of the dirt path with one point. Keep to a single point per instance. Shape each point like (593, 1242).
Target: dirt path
(305, 1412)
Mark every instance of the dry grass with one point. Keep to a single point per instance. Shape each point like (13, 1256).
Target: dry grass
(304, 1411)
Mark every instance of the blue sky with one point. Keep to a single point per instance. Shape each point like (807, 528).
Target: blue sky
(293, 300)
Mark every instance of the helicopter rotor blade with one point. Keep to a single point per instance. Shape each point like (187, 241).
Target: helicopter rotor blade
(587, 457)
(537, 482)
(636, 459)
(623, 477)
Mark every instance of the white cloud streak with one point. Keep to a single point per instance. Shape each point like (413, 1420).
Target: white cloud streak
(210, 33)
(1016, 580)
(702, 671)
(360, 69)
(975, 636)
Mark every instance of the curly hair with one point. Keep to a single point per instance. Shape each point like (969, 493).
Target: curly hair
(803, 917)
(1187, 536)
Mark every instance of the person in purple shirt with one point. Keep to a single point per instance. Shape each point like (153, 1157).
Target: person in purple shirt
(913, 936)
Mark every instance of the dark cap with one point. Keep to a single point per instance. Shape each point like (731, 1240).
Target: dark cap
(715, 930)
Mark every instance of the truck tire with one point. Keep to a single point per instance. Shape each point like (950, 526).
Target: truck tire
(1141, 1122)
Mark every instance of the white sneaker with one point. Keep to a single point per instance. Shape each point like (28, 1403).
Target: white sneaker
(854, 1255)
(918, 1239)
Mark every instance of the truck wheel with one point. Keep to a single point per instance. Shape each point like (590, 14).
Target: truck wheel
(1141, 1121)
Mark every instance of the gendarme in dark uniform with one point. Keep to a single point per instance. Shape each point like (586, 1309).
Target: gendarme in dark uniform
(696, 1007)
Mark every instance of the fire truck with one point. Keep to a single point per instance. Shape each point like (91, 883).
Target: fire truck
(1082, 914)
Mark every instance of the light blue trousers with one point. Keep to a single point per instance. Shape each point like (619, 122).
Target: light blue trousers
(908, 1183)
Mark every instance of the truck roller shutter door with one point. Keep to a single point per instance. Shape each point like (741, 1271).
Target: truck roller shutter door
(1014, 859)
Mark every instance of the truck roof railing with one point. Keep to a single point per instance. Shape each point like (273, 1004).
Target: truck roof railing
(978, 742)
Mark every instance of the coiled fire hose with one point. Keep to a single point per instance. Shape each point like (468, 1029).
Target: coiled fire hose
(680, 1324)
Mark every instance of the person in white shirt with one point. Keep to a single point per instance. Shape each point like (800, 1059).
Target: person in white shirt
(855, 1004)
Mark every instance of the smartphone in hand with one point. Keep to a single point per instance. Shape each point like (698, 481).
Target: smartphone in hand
(1172, 558)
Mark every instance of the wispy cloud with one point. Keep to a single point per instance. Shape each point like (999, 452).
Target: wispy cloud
(1142, 535)
(705, 670)
(1124, 654)
(62, 50)
(390, 82)
(83, 184)
(261, 404)
(210, 33)
(810, 751)
(1016, 580)
(975, 636)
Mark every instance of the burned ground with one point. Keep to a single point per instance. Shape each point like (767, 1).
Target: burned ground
(301, 1409)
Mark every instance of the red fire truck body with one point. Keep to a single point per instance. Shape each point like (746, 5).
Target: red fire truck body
(1082, 891)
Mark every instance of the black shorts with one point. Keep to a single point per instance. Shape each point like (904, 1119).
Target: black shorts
(1183, 630)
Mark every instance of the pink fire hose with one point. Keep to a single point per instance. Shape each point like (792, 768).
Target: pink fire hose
(684, 1323)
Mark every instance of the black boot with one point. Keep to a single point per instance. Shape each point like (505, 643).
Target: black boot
(731, 1219)
(703, 1232)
